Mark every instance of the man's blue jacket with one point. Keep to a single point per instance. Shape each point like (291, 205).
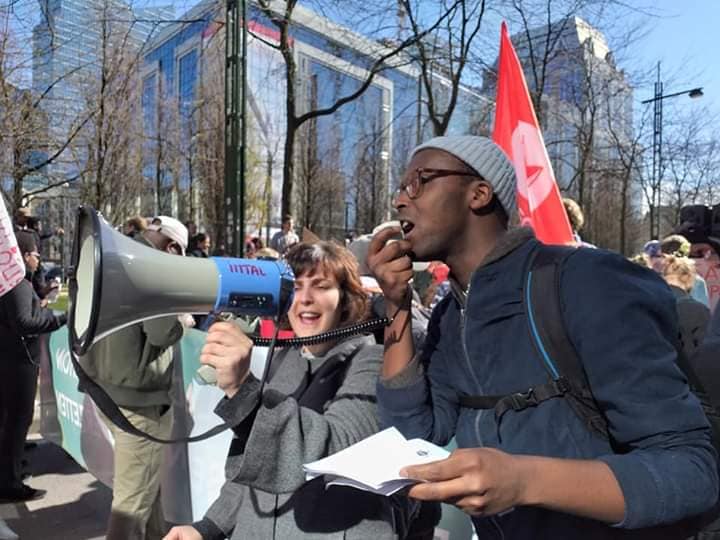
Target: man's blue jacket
(621, 319)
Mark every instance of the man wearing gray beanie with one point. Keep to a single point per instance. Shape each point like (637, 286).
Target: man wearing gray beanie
(535, 468)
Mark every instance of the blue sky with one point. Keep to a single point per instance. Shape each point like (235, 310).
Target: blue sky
(685, 40)
(682, 36)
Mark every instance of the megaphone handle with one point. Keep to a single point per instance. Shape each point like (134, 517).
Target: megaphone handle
(206, 374)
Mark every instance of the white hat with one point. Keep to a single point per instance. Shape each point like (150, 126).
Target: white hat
(173, 229)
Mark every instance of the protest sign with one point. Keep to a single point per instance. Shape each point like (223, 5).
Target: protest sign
(12, 268)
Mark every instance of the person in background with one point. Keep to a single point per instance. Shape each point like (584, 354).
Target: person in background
(252, 246)
(576, 217)
(534, 470)
(26, 222)
(257, 243)
(267, 254)
(285, 237)
(678, 246)
(700, 351)
(135, 226)
(34, 224)
(134, 366)
(641, 259)
(21, 216)
(22, 319)
(319, 400)
(693, 316)
(200, 246)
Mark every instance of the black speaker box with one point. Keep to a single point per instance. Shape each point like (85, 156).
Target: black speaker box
(715, 221)
(700, 216)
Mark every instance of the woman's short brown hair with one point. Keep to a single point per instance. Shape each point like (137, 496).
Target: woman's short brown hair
(308, 258)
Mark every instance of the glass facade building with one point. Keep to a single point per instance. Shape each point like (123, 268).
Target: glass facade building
(68, 45)
(346, 163)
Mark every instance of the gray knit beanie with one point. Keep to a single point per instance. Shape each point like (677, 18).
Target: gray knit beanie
(486, 158)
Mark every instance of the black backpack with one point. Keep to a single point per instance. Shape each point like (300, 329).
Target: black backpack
(566, 375)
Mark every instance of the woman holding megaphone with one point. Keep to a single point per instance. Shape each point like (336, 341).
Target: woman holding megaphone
(318, 400)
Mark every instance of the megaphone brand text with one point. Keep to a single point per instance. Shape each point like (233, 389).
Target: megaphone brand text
(246, 269)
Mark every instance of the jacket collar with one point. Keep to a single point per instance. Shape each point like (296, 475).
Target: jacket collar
(507, 243)
(342, 349)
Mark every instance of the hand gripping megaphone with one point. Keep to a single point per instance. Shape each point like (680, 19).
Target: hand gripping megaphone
(116, 281)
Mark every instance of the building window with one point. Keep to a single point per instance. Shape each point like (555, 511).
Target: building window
(187, 80)
(149, 98)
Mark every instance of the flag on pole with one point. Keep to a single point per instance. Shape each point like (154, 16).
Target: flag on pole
(517, 132)
(12, 267)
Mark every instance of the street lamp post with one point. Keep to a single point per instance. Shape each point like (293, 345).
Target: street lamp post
(657, 100)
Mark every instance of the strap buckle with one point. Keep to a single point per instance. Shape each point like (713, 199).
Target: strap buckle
(522, 400)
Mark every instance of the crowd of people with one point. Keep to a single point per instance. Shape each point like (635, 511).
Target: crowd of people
(597, 422)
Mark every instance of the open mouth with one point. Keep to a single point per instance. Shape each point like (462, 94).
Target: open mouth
(407, 227)
(308, 318)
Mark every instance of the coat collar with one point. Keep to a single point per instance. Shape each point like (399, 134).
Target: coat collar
(295, 364)
(506, 244)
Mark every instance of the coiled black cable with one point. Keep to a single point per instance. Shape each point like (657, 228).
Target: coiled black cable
(332, 335)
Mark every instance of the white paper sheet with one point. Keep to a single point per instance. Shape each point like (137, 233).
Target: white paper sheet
(374, 464)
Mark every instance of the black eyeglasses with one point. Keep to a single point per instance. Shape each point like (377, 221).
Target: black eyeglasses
(413, 186)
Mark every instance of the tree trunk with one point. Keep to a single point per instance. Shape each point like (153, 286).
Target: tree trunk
(288, 167)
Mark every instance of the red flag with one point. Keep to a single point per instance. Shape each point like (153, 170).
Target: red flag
(517, 132)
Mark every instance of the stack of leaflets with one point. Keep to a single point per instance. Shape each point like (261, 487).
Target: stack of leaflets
(374, 463)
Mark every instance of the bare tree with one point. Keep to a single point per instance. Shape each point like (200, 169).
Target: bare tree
(109, 150)
(28, 142)
(368, 189)
(308, 171)
(443, 55)
(690, 162)
(626, 167)
(209, 146)
(281, 14)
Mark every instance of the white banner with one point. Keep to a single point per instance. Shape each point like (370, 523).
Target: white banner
(12, 268)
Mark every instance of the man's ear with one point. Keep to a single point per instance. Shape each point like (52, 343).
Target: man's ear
(481, 197)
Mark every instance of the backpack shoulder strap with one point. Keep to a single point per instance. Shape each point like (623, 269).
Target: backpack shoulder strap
(567, 378)
(542, 300)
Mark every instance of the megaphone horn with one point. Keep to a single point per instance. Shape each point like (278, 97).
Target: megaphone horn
(116, 281)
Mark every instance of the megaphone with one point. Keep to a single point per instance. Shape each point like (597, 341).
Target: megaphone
(116, 281)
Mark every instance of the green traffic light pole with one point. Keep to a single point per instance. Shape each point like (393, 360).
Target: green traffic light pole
(235, 127)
